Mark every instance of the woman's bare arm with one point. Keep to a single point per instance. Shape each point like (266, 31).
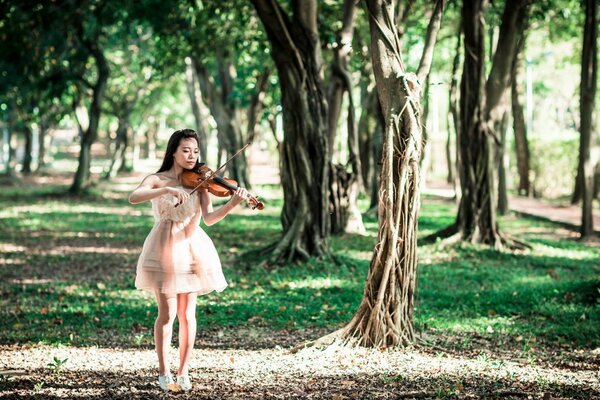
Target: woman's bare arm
(151, 187)
(213, 216)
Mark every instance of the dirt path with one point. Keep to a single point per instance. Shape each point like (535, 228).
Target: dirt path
(568, 215)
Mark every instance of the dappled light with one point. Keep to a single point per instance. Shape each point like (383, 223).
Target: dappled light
(269, 199)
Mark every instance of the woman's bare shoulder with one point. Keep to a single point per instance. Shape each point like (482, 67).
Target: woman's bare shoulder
(155, 180)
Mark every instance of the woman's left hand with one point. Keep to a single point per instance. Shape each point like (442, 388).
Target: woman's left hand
(239, 195)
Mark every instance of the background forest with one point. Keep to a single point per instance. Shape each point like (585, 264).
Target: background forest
(401, 149)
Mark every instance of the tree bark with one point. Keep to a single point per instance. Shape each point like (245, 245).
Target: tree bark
(454, 107)
(225, 112)
(27, 156)
(365, 132)
(191, 80)
(43, 155)
(425, 161)
(150, 142)
(589, 67)
(344, 180)
(519, 127)
(481, 109)
(121, 143)
(257, 104)
(384, 317)
(296, 51)
(88, 136)
(501, 162)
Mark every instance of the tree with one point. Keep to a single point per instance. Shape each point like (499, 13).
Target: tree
(589, 69)
(344, 180)
(384, 317)
(481, 110)
(89, 37)
(134, 79)
(296, 51)
(519, 128)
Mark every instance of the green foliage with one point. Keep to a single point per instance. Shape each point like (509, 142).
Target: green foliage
(67, 270)
(57, 364)
(550, 156)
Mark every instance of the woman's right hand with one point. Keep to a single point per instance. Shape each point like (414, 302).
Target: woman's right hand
(180, 194)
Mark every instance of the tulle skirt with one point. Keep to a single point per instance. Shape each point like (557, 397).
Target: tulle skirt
(179, 259)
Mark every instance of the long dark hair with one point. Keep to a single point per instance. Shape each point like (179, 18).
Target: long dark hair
(174, 140)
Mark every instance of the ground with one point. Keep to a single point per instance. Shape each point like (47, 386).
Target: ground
(520, 350)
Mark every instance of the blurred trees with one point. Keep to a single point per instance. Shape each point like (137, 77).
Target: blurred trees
(122, 71)
(589, 76)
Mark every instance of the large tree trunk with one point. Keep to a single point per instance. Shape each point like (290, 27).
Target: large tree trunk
(345, 180)
(481, 109)
(296, 51)
(88, 136)
(519, 127)
(589, 67)
(384, 317)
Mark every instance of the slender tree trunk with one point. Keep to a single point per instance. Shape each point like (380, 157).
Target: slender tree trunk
(365, 133)
(344, 185)
(425, 162)
(118, 157)
(257, 103)
(501, 162)
(589, 68)
(150, 143)
(454, 106)
(377, 149)
(191, 81)
(27, 156)
(88, 137)
(296, 51)
(225, 112)
(519, 127)
(7, 135)
(384, 317)
(481, 109)
(43, 145)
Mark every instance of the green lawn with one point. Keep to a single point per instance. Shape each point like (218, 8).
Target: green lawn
(67, 270)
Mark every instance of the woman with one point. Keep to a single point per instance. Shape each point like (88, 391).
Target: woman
(178, 261)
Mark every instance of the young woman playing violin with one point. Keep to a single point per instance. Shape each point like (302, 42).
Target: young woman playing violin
(179, 261)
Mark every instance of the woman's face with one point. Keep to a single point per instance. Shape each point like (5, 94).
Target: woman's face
(186, 154)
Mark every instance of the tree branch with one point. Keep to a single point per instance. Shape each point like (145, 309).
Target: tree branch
(513, 23)
(430, 40)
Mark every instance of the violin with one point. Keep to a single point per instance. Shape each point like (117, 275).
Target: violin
(202, 177)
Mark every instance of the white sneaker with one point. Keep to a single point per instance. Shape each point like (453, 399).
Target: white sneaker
(164, 381)
(184, 382)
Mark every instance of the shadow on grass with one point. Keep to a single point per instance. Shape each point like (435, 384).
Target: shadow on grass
(227, 383)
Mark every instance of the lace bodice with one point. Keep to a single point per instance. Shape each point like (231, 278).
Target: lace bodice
(164, 208)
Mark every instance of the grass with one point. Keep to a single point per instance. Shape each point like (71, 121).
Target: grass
(67, 269)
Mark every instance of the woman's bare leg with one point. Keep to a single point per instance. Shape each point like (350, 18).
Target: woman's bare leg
(186, 314)
(163, 329)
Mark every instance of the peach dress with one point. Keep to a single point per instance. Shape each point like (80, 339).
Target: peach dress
(178, 256)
